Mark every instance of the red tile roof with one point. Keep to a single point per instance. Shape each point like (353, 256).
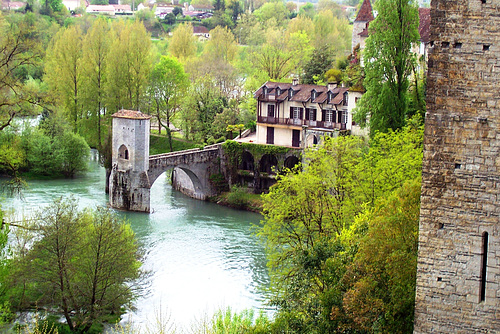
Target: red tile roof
(132, 114)
(365, 13)
(424, 27)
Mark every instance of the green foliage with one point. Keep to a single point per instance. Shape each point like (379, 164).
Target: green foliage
(227, 322)
(325, 226)
(389, 61)
(53, 149)
(160, 144)
(234, 150)
(82, 263)
(238, 197)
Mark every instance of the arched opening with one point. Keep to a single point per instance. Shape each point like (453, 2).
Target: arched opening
(268, 163)
(291, 162)
(315, 140)
(123, 152)
(247, 161)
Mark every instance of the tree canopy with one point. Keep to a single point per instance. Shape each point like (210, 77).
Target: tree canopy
(388, 62)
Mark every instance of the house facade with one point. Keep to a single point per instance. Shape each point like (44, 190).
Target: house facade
(296, 115)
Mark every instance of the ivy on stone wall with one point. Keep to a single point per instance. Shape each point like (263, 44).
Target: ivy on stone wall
(234, 151)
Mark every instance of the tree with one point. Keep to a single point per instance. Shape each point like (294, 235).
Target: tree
(129, 66)
(64, 71)
(388, 64)
(96, 47)
(82, 263)
(168, 84)
(177, 11)
(314, 220)
(183, 43)
(275, 10)
(20, 49)
(381, 279)
(221, 46)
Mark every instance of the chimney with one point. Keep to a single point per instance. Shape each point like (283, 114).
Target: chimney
(332, 85)
(295, 81)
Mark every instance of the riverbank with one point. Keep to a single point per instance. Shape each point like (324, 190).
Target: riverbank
(241, 199)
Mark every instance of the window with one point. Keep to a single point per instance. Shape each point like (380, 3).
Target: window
(296, 112)
(329, 115)
(345, 117)
(278, 91)
(264, 90)
(314, 94)
(484, 265)
(290, 93)
(346, 98)
(123, 152)
(270, 110)
(310, 114)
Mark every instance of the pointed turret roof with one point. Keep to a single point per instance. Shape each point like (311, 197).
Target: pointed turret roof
(365, 13)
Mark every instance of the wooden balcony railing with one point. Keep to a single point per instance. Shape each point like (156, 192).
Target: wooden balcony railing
(300, 122)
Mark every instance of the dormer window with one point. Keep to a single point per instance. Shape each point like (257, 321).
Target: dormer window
(265, 90)
(346, 99)
(314, 94)
(278, 92)
(290, 93)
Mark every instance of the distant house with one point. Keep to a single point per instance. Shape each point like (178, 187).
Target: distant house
(201, 32)
(13, 5)
(424, 29)
(122, 9)
(296, 115)
(101, 9)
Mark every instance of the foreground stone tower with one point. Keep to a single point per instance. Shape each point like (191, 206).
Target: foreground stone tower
(458, 277)
(129, 183)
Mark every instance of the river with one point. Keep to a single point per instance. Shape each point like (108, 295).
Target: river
(201, 257)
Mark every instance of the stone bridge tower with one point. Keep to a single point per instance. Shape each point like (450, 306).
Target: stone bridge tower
(129, 183)
(458, 276)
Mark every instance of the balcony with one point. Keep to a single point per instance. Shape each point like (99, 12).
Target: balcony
(301, 122)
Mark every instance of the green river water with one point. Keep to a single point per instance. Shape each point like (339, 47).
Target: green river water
(201, 257)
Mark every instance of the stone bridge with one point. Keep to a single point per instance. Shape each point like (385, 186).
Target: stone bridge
(130, 190)
(134, 171)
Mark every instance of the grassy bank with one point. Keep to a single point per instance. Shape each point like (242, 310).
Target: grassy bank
(159, 144)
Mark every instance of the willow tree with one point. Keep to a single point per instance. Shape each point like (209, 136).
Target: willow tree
(388, 62)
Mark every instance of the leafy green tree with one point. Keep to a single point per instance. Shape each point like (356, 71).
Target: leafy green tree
(168, 84)
(381, 279)
(183, 42)
(63, 68)
(272, 11)
(20, 50)
(177, 11)
(312, 230)
(129, 66)
(222, 45)
(81, 263)
(388, 63)
(96, 47)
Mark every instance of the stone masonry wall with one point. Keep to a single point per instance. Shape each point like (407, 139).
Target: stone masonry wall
(461, 172)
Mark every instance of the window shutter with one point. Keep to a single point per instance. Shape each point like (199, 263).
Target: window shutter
(307, 114)
(301, 114)
(315, 114)
(291, 112)
(323, 115)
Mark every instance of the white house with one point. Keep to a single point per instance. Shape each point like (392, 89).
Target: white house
(297, 115)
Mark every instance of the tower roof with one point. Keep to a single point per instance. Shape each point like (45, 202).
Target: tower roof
(365, 13)
(131, 114)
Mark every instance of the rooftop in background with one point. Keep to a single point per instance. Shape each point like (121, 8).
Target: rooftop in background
(131, 114)
(424, 27)
(365, 13)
